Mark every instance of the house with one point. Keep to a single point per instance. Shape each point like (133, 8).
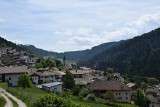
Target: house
(46, 75)
(84, 82)
(53, 87)
(77, 73)
(120, 90)
(132, 86)
(11, 74)
(86, 70)
(117, 76)
(154, 95)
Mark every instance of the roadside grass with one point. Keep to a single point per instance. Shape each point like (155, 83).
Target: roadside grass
(4, 85)
(2, 102)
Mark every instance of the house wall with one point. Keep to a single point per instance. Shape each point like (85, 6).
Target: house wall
(57, 88)
(123, 96)
(50, 78)
(35, 79)
(12, 79)
(120, 96)
(0, 77)
(154, 105)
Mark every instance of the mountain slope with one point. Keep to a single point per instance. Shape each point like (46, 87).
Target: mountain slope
(73, 55)
(137, 56)
(5, 43)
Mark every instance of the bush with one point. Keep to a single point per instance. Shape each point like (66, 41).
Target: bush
(85, 91)
(55, 101)
(91, 97)
(76, 90)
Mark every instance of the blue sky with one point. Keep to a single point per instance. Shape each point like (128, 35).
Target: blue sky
(69, 25)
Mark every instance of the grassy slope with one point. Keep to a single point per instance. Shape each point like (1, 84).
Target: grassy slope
(4, 85)
(2, 102)
(29, 95)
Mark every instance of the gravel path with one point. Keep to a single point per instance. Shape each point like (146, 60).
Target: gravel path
(19, 102)
(8, 102)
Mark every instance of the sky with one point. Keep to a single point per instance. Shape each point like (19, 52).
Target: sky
(70, 25)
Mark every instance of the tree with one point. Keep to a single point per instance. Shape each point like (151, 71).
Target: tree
(39, 65)
(110, 96)
(153, 81)
(24, 81)
(68, 82)
(140, 99)
(110, 70)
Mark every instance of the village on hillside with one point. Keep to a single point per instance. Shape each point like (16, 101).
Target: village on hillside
(51, 79)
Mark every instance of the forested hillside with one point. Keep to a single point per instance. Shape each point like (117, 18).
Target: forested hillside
(73, 55)
(137, 56)
(5, 43)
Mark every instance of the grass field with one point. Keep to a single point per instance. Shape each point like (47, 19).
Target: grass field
(29, 95)
(4, 85)
(2, 102)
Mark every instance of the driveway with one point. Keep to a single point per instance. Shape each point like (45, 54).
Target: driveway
(19, 102)
(8, 101)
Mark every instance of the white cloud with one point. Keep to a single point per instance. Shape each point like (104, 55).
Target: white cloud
(87, 37)
(2, 20)
(148, 20)
(65, 25)
(17, 41)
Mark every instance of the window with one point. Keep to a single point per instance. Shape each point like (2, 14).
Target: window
(152, 105)
(116, 94)
(126, 98)
(119, 93)
(9, 78)
(45, 76)
(126, 93)
(119, 98)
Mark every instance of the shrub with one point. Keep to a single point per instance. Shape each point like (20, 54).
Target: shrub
(55, 101)
(91, 97)
(76, 90)
(85, 91)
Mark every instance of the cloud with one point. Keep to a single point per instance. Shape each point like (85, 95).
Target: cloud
(84, 37)
(65, 25)
(17, 41)
(2, 20)
(146, 23)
